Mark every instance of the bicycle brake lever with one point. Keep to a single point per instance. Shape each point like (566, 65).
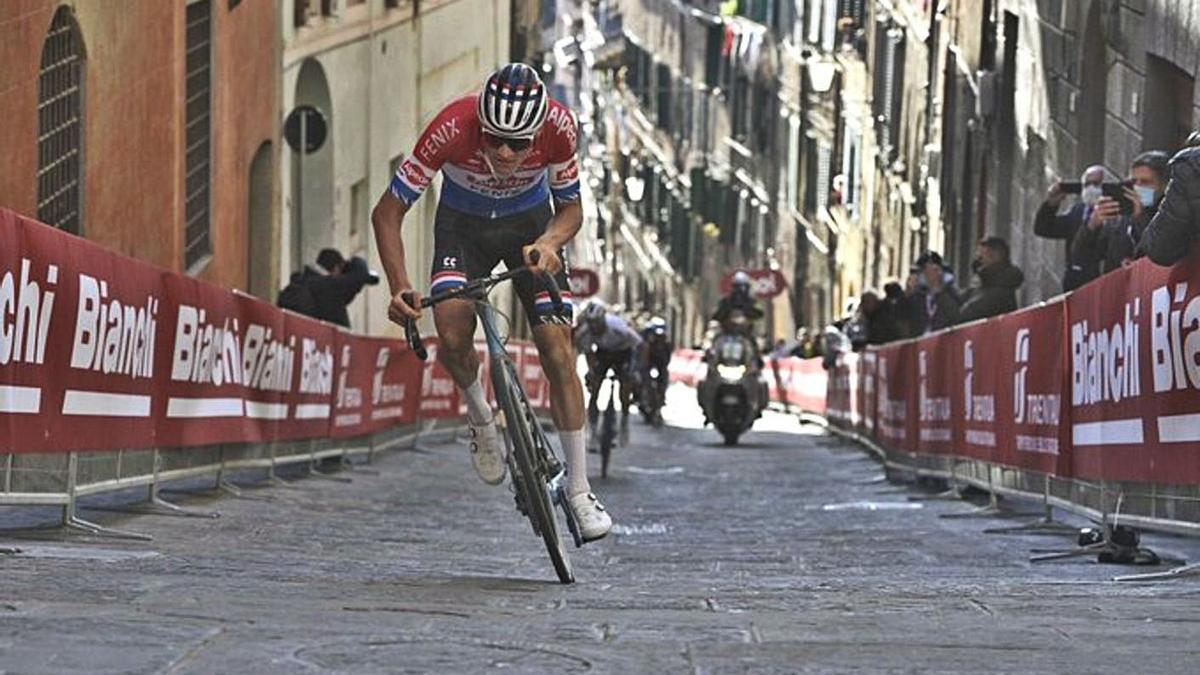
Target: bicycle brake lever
(413, 335)
(551, 285)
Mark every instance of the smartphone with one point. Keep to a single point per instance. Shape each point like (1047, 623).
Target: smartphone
(1071, 187)
(1117, 191)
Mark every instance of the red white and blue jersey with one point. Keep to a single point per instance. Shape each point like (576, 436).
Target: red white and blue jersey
(453, 144)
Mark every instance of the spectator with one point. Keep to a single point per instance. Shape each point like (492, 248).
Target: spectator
(939, 295)
(1111, 233)
(875, 320)
(807, 346)
(910, 306)
(1082, 265)
(999, 280)
(323, 291)
(1173, 230)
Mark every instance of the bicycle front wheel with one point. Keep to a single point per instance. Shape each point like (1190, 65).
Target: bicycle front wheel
(533, 481)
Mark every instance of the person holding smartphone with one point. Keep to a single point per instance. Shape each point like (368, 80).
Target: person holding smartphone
(1081, 264)
(1121, 215)
(1176, 226)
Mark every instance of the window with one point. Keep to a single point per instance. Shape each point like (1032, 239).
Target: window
(198, 150)
(1168, 106)
(299, 12)
(60, 127)
(888, 87)
(358, 207)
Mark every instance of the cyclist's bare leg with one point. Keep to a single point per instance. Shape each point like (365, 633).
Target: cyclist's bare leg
(455, 321)
(566, 399)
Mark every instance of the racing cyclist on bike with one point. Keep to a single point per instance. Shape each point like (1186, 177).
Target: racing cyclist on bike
(510, 193)
(656, 354)
(610, 344)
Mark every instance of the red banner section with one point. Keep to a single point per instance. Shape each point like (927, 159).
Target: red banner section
(100, 352)
(1099, 385)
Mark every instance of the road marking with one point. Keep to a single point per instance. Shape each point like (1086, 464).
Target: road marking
(14, 399)
(76, 402)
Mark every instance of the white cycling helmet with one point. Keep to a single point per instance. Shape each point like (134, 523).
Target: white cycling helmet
(513, 103)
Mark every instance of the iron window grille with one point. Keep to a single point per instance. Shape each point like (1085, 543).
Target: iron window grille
(60, 125)
(197, 161)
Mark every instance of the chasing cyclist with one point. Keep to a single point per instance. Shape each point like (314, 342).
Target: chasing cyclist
(510, 193)
(610, 344)
(656, 356)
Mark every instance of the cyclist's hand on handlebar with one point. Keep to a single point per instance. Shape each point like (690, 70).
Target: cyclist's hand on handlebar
(405, 305)
(542, 258)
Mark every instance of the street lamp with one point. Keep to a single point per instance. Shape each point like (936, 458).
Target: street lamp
(634, 188)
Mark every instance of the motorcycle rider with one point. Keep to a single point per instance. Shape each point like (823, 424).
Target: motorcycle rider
(738, 300)
(610, 344)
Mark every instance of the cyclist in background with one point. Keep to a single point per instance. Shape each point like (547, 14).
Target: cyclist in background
(656, 353)
(610, 344)
(510, 193)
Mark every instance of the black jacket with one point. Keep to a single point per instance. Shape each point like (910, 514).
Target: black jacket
(1174, 229)
(1116, 241)
(1082, 262)
(743, 303)
(996, 293)
(333, 292)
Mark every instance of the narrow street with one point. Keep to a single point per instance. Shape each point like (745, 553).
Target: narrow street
(787, 554)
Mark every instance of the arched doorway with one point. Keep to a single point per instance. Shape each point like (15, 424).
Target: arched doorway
(60, 124)
(312, 183)
(259, 230)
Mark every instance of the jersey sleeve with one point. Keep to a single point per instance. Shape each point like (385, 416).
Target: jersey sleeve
(563, 160)
(435, 146)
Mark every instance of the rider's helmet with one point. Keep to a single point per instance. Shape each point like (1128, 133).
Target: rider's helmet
(513, 102)
(740, 283)
(656, 327)
(596, 317)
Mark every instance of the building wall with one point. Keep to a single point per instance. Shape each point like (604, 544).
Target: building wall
(388, 74)
(133, 129)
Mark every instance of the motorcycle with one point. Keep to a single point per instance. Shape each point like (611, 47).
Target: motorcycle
(732, 393)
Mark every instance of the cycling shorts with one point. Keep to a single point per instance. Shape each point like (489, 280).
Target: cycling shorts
(468, 247)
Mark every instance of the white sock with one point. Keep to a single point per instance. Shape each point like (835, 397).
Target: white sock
(576, 452)
(478, 410)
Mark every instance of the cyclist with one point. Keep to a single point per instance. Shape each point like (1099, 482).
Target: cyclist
(610, 344)
(510, 193)
(656, 352)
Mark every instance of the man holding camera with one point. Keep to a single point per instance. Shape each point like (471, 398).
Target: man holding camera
(323, 291)
(1082, 265)
(1115, 226)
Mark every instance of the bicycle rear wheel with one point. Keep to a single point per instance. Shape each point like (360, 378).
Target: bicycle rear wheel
(531, 479)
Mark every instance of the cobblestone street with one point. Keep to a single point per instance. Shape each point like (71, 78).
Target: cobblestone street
(787, 554)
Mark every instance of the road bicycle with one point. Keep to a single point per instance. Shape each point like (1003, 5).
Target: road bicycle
(537, 474)
(608, 425)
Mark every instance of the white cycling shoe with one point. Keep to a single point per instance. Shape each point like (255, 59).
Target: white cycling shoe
(487, 453)
(591, 516)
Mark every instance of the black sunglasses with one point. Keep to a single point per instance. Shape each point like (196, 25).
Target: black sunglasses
(514, 144)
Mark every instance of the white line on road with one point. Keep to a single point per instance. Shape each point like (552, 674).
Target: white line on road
(105, 404)
(14, 399)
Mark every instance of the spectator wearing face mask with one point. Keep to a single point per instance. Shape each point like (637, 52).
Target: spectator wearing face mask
(1082, 264)
(1176, 225)
(938, 295)
(999, 280)
(1112, 232)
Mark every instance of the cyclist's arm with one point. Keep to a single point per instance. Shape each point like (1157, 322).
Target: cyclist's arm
(387, 220)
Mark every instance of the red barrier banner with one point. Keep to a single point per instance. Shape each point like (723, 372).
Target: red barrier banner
(974, 357)
(846, 400)
(798, 382)
(1034, 433)
(936, 380)
(1134, 347)
(377, 387)
(79, 329)
(686, 366)
(895, 398)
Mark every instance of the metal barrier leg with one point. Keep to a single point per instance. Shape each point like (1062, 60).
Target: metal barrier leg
(953, 494)
(1175, 573)
(315, 472)
(1044, 525)
(991, 509)
(155, 504)
(71, 521)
